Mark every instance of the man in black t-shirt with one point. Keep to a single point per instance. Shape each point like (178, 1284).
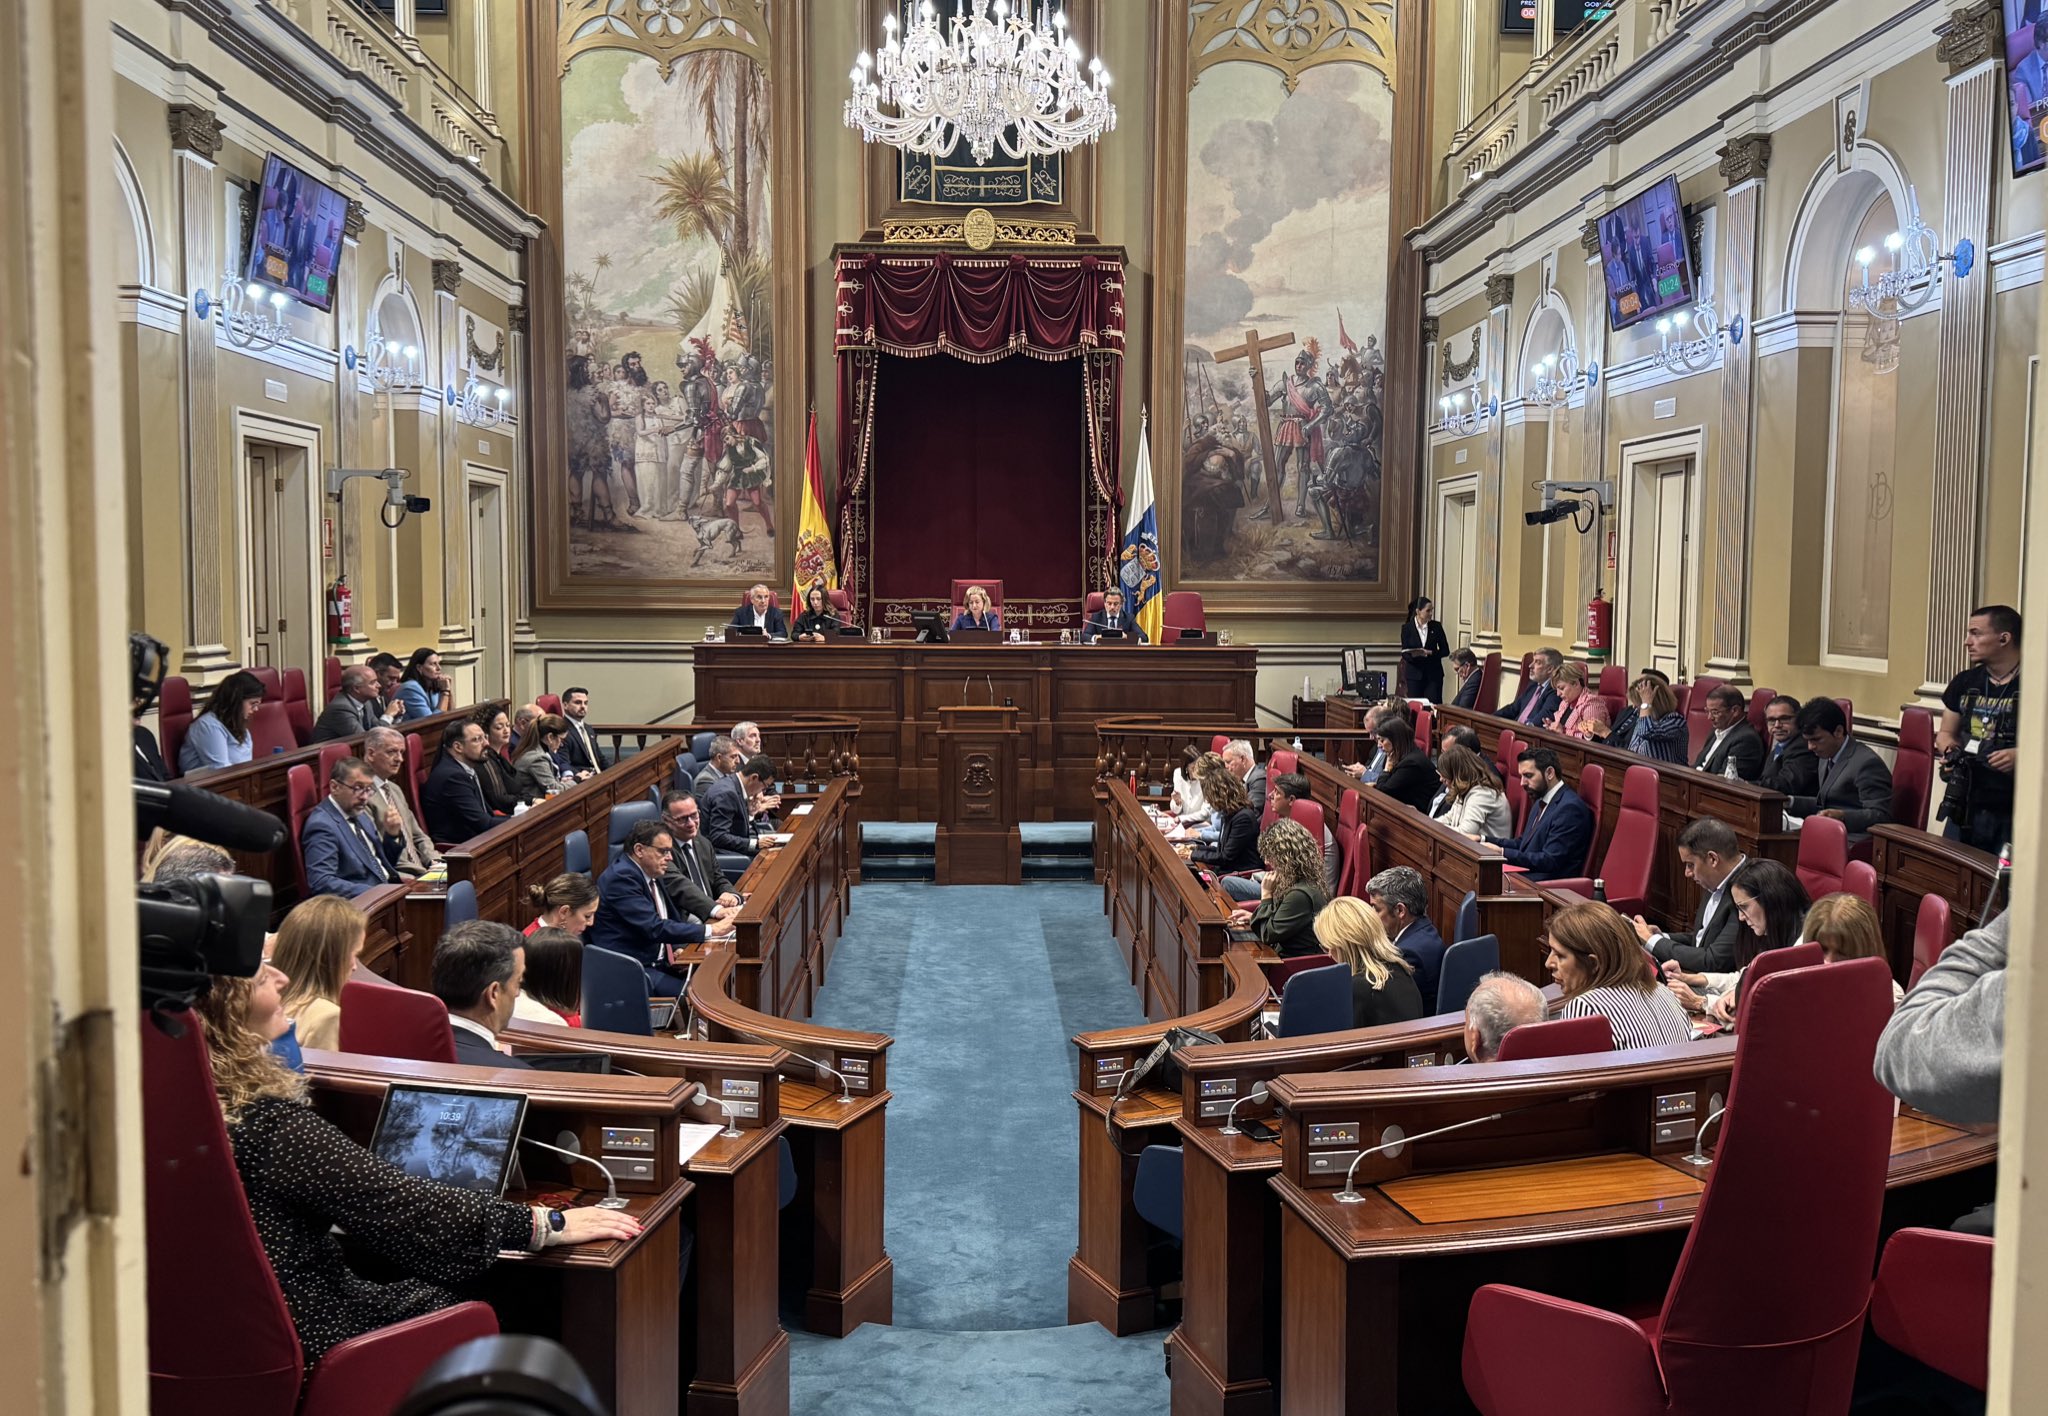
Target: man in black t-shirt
(1978, 740)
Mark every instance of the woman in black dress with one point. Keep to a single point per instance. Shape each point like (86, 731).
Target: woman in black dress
(1423, 648)
(496, 774)
(1237, 836)
(1382, 980)
(817, 622)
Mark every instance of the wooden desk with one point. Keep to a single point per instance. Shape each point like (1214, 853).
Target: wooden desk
(1911, 863)
(796, 904)
(896, 690)
(1374, 1294)
(615, 1306)
(1172, 931)
(388, 943)
(1684, 795)
(260, 783)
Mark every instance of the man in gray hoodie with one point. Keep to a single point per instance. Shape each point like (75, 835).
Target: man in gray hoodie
(1943, 1049)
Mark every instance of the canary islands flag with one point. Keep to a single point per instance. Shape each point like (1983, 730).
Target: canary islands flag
(813, 533)
(1138, 562)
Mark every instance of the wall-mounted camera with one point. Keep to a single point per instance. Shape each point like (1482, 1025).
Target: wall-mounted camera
(395, 496)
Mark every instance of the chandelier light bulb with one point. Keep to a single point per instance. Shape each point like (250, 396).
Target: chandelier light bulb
(1664, 326)
(889, 22)
(1865, 256)
(412, 352)
(503, 394)
(255, 291)
(1893, 242)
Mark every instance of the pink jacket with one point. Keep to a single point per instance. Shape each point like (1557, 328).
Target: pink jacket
(1579, 719)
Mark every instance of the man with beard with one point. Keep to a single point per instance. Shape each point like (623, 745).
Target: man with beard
(627, 399)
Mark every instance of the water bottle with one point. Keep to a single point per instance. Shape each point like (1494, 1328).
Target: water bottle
(1600, 891)
(1297, 742)
(1729, 771)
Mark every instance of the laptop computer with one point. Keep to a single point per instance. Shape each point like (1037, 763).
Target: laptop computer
(456, 1135)
(931, 627)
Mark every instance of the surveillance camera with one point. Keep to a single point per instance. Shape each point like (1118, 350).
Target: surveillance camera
(419, 504)
(1557, 511)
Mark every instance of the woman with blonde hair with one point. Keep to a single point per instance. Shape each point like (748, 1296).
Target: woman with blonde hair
(1472, 801)
(1581, 713)
(1594, 955)
(976, 612)
(1382, 981)
(317, 947)
(1290, 892)
(1845, 927)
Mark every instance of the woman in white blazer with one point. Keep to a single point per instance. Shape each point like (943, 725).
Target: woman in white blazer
(1472, 801)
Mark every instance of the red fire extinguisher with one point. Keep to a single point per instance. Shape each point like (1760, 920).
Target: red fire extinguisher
(1599, 627)
(340, 611)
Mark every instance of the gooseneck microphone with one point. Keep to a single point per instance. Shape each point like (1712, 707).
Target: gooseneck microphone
(1350, 1196)
(705, 1098)
(572, 1149)
(846, 1084)
(1699, 1140)
(1257, 1094)
(2004, 875)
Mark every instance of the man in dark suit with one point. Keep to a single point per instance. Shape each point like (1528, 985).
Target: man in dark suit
(728, 813)
(1465, 664)
(1733, 740)
(355, 709)
(634, 916)
(1789, 764)
(1410, 777)
(1401, 898)
(1711, 856)
(1855, 786)
(345, 854)
(1535, 700)
(760, 614)
(695, 884)
(478, 967)
(579, 748)
(1559, 830)
(1112, 618)
(452, 801)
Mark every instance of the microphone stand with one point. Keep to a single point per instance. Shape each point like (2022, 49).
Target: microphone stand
(1699, 1156)
(1350, 1196)
(845, 1095)
(611, 1200)
(1256, 1094)
(705, 1098)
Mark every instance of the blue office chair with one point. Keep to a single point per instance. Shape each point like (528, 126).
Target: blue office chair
(461, 903)
(576, 853)
(687, 768)
(1467, 926)
(654, 795)
(785, 1173)
(1316, 1001)
(1156, 1191)
(615, 993)
(1465, 963)
(625, 817)
(700, 746)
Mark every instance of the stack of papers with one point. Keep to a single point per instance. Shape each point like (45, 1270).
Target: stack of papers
(695, 1137)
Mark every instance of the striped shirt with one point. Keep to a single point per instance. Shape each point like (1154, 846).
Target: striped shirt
(1639, 1019)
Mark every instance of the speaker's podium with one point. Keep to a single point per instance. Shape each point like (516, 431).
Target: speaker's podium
(978, 839)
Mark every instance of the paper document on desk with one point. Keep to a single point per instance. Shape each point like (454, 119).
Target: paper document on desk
(774, 838)
(804, 810)
(695, 1137)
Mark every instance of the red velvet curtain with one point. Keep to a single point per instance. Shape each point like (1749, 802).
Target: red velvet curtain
(986, 464)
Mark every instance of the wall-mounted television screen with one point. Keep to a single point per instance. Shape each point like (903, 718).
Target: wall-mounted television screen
(1646, 256)
(297, 241)
(1519, 16)
(2026, 81)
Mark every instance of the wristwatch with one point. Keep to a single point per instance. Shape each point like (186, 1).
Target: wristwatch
(557, 1222)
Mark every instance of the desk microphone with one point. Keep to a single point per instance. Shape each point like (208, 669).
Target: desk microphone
(1699, 1156)
(705, 1098)
(572, 1149)
(2003, 875)
(845, 1095)
(1396, 1138)
(1256, 1094)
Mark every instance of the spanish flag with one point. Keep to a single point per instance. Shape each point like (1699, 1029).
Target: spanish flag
(814, 534)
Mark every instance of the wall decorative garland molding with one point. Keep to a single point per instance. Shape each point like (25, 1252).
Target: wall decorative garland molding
(1291, 36)
(664, 30)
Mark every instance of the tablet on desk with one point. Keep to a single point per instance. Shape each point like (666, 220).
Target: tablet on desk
(745, 631)
(456, 1135)
(1111, 636)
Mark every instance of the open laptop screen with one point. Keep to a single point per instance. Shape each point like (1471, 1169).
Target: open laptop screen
(455, 1135)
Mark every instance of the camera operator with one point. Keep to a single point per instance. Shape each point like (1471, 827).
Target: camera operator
(1977, 742)
(146, 658)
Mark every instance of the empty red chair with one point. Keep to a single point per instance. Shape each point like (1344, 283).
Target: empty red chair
(1613, 681)
(1932, 933)
(549, 703)
(1282, 761)
(1697, 728)
(1181, 612)
(1760, 704)
(1565, 1037)
(1823, 855)
(1859, 878)
(1424, 721)
(300, 797)
(842, 603)
(330, 676)
(297, 711)
(1357, 867)
(1932, 1301)
(1505, 749)
(1592, 789)
(220, 1336)
(1682, 694)
(272, 681)
(1764, 1312)
(1913, 771)
(1347, 810)
(1704, 685)
(173, 719)
(1632, 849)
(1487, 700)
(380, 1020)
(270, 729)
(1219, 742)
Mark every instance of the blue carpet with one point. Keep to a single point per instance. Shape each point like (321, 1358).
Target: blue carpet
(981, 987)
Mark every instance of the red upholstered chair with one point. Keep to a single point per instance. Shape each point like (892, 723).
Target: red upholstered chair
(1931, 935)
(272, 681)
(995, 594)
(1282, 761)
(1759, 704)
(300, 797)
(1505, 749)
(380, 1020)
(1566, 1037)
(1764, 1312)
(330, 753)
(1697, 728)
(1348, 807)
(1487, 700)
(1848, 707)
(1859, 878)
(1704, 685)
(1357, 867)
(1091, 605)
(1182, 610)
(1682, 692)
(296, 709)
(1309, 816)
(270, 729)
(1592, 789)
(1425, 720)
(841, 601)
(330, 679)
(549, 703)
(1518, 799)
(415, 774)
(1932, 1301)
(1278, 974)
(1913, 771)
(1823, 855)
(1798, 956)
(236, 1351)
(1613, 680)
(1631, 849)
(1219, 742)
(774, 600)
(173, 719)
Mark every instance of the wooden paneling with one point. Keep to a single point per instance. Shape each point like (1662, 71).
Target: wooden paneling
(1911, 864)
(1553, 1187)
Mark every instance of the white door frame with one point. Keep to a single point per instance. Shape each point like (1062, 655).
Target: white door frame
(1680, 444)
(247, 426)
(1448, 489)
(475, 473)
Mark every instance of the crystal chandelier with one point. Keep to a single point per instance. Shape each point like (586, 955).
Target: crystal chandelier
(1461, 422)
(990, 77)
(479, 404)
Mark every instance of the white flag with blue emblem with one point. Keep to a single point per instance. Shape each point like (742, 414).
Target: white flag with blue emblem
(1138, 561)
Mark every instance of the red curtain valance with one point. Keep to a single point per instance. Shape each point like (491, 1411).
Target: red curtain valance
(980, 308)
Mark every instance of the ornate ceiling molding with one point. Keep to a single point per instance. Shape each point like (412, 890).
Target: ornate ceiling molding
(1292, 36)
(1500, 291)
(196, 129)
(1589, 236)
(357, 218)
(665, 30)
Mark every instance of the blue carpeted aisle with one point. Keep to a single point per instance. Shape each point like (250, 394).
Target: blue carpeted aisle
(981, 987)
